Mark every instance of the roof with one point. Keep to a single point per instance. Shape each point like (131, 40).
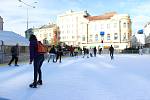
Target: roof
(11, 38)
(101, 17)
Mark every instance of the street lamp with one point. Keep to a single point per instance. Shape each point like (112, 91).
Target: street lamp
(26, 4)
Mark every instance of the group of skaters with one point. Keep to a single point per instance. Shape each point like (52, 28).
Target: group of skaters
(37, 52)
(55, 54)
(89, 52)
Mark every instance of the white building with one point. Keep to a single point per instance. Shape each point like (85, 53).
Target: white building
(147, 29)
(1, 23)
(70, 25)
(79, 28)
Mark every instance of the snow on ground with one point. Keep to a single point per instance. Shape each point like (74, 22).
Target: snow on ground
(127, 77)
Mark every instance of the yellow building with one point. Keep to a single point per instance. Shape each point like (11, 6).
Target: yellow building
(47, 34)
(79, 28)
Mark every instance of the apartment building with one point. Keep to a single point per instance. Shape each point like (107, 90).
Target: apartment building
(82, 29)
(47, 34)
(70, 25)
(147, 34)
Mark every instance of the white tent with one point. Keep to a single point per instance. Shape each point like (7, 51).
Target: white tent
(11, 38)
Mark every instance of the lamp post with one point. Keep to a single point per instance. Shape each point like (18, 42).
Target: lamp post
(28, 5)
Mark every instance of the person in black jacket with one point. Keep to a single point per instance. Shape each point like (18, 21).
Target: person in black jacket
(37, 59)
(52, 53)
(111, 49)
(95, 50)
(59, 53)
(15, 54)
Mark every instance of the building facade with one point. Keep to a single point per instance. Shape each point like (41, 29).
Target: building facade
(70, 27)
(147, 34)
(1, 23)
(79, 28)
(146, 29)
(47, 34)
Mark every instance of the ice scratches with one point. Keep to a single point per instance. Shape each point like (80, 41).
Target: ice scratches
(70, 62)
(107, 65)
(96, 67)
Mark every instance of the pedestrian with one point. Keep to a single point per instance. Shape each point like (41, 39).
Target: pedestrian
(15, 54)
(52, 53)
(140, 51)
(87, 52)
(71, 51)
(76, 51)
(111, 49)
(95, 50)
(100, 51)
(91, 52)
(37, 59)
(59, 53)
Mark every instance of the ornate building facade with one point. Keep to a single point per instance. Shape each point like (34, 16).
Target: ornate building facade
(82, 29)
(47, 34)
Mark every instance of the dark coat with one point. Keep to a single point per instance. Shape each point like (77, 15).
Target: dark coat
(52, 50)
(59, 51)
(15, 51)
(111, 49)
(33, 50)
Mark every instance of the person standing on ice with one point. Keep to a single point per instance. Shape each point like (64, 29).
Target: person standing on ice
(59, 53)
(140, 51)
(15, 54)
(111, 49)
(37, 59)
(94, 50)
(52, 53)
(91, 52)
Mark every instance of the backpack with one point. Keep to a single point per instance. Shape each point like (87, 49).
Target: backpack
(41, 48)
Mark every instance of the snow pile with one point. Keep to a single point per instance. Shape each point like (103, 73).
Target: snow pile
(11, 38)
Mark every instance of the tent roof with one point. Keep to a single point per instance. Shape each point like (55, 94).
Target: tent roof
(11, 38)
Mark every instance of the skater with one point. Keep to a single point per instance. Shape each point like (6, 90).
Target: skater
(91, 52)
(71, 51)
(59, 53)
(100, 51)
(52, 53)
(95, 50)
(140, 51)
(76, 51)
(111, 49)
(37, 58)
(15, 54)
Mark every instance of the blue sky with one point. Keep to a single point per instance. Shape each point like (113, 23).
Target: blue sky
(46, 11)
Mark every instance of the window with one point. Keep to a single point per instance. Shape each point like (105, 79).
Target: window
(73, 37)
(96, 37)
(83, 38)
(128, 26)
(124, 25)
(108, 36)
(108, 26)
(124, 36)
(91, 36)
(102, 26)
(115, 25)
(115, 36)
